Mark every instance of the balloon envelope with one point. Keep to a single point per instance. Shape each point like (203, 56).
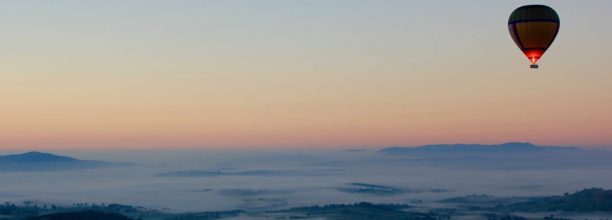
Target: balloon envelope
(533, 28)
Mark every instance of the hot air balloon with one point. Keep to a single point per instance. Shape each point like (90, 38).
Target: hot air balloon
(533, 28)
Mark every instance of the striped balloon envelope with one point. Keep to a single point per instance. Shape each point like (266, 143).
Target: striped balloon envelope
(533, 28)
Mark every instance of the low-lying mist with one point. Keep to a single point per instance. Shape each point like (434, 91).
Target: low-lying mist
(203, 180)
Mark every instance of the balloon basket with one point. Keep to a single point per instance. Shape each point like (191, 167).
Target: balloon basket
(534, 66)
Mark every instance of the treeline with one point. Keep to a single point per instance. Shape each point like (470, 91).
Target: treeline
(362, 211)
(89, 215)
(30, 210)
(586, 200)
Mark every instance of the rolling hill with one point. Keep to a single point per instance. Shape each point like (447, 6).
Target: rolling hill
(39, 161)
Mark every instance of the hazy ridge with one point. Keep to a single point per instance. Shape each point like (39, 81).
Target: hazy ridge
(40, 161)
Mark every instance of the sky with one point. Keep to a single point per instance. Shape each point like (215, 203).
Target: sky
(321, 74)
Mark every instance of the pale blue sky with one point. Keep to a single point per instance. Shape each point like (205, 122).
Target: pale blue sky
(297, 73)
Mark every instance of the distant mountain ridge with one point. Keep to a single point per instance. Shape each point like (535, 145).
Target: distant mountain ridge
(40, 161)
(510, 147)
(512, 155)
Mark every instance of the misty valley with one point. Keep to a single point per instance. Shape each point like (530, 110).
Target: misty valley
(313, 110)
(462, 181)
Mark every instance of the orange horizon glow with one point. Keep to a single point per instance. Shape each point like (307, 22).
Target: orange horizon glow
(290, 75)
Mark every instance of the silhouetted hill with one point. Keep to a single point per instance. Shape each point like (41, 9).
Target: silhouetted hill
(587, 200)
(39, 161)
(85, 215)
(35, 156)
